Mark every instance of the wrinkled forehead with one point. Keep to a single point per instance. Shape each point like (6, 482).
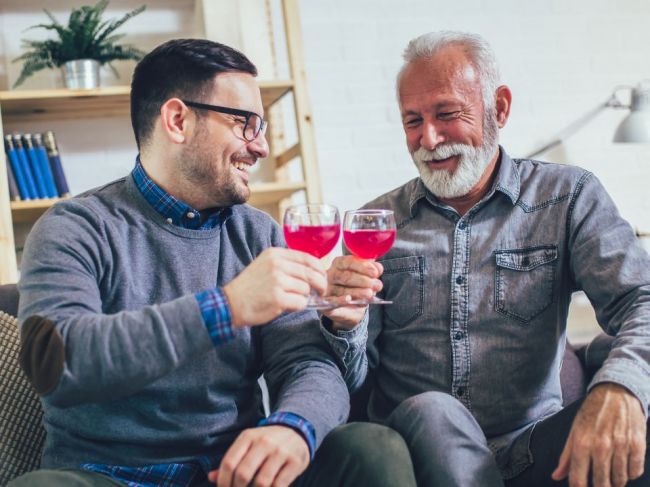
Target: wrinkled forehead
(448, 71)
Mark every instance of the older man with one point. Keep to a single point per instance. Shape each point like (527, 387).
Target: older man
(151, 306)
(466, 360)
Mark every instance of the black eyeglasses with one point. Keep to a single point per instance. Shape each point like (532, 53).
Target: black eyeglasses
(252, 127)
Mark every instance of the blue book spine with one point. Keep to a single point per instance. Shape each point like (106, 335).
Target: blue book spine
(17, 168)
(34, 163)
(44, 164)
(55, 164)
(14, 194)
(27, 171)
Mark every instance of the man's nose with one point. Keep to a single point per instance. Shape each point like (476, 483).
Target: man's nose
(259, 146)
(431, 136)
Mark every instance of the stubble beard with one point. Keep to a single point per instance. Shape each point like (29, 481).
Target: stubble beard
(472, 162)
(201, 167)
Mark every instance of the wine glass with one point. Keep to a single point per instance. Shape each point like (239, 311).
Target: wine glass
(315, 229)
(369, 234)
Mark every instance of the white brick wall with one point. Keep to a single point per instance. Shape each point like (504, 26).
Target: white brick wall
(559, 57)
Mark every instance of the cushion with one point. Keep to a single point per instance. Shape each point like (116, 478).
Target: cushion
(21, 430)
(9, 299)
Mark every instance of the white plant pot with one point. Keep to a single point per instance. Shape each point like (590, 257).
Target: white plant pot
(81, 74)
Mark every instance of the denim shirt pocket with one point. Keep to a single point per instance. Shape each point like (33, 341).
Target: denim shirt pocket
(524, 281)
(403, 281)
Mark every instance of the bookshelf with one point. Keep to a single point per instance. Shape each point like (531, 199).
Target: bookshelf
(19, 106)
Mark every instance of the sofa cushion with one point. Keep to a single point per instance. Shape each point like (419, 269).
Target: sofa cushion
(21, 430)
(9, 299)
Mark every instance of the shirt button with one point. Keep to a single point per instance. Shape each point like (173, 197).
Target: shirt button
(460, 391)
(169, 220)
(459, 280)
(525, 261)
(462, 225)
(458, 335)
(190, 215)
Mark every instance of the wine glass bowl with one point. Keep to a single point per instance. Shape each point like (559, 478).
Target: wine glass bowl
(314, 229)
(369, 234)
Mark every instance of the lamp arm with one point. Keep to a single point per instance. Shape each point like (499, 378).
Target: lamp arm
(576, 125)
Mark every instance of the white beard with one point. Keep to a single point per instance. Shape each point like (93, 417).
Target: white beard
(471, 164)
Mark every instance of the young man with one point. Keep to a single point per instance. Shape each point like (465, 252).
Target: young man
(151, 306)
(489, 249)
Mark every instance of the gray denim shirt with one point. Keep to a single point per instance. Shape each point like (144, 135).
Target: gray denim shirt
(481, 301)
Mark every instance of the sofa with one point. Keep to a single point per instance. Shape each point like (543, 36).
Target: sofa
(22, 434)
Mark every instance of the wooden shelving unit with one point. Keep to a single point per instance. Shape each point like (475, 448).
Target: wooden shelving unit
(60, 104)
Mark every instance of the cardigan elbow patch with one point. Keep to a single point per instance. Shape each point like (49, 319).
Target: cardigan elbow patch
(42, 353)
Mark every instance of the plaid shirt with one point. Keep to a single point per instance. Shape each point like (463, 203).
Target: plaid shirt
(216, 315)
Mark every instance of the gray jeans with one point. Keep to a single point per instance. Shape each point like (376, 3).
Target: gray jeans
(352, 455)
(447, 446)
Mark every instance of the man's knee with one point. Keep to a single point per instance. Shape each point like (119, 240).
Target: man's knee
(431, 405)
(367, 442)
(434, 417)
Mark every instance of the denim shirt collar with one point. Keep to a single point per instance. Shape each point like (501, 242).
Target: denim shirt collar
(173, 210)
(507, 182)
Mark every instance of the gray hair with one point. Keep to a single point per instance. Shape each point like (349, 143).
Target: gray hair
(477, 48)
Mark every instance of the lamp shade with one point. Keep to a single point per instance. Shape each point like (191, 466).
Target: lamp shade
(636, 126)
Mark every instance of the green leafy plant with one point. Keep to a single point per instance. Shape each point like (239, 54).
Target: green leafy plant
(85, 37)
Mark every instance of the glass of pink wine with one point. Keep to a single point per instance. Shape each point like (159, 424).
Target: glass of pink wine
(315, 229)
(369, 234)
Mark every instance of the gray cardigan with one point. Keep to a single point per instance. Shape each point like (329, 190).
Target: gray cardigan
(142, 382)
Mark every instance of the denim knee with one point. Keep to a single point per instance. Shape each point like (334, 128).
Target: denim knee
(430, 403)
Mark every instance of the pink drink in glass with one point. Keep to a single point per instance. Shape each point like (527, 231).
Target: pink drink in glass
(369, 244)
(317, 240)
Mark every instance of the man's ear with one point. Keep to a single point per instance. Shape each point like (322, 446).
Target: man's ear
(176, 120)
(502, 102)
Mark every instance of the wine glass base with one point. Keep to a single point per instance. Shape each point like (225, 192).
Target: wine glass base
(318, 303)
(374, 300)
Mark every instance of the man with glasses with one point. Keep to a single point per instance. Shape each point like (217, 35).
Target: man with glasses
(151, 306)
(466, 361)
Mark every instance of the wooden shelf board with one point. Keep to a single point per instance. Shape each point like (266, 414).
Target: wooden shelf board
(272, 193)
(29, 211)
(25, 105)
(272, 91)
(261, 194)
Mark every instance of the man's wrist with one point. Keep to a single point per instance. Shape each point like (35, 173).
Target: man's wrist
(335, 327)
(297, 423)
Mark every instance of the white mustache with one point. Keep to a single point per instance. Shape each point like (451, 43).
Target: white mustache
(442, 152)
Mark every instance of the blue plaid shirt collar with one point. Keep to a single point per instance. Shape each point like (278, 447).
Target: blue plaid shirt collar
(175, 211)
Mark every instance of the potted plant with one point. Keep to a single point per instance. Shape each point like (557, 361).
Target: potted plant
(84, 45)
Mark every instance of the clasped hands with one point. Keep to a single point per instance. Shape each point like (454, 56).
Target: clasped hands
(279, 280)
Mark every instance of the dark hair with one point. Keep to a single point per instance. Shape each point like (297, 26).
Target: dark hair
(182, 68)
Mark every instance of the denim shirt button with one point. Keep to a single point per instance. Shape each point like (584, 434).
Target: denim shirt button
(460, 391)
(459, 280)
(458, 335)
(462, 225)
(525, 261)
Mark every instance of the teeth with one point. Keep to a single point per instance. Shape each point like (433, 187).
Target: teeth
(241, 166)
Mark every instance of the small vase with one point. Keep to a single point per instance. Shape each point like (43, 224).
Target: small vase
(81, 74)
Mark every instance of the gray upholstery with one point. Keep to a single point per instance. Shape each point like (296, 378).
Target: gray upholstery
(21, 432)
(9, 299)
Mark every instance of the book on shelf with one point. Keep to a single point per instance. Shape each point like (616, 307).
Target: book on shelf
(37, 153)
(34, 164)
(18, 168)
(55, 164)
(14, 194)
